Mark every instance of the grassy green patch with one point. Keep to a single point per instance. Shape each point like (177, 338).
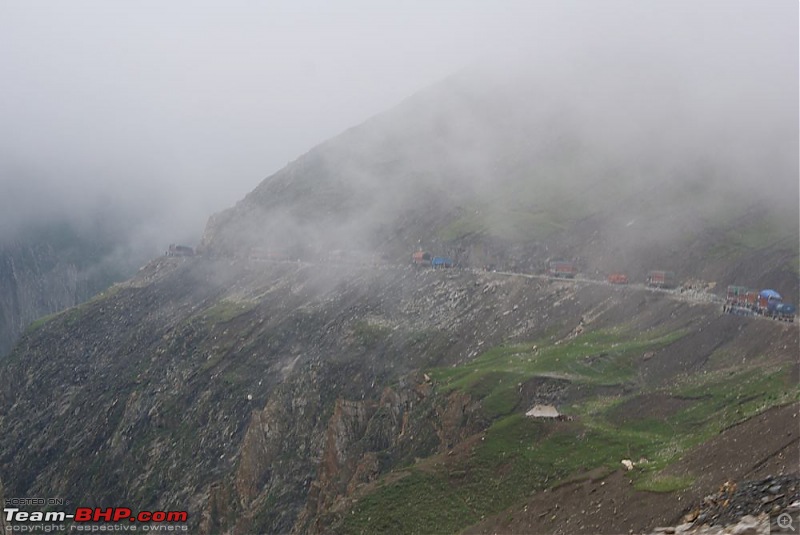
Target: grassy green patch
(514, 222)
(532, 207)
(370, 334)
(73, 314)
(226, 310)
(37, 324)
(599, 358)
(760, 234)
(462, 226)
(70, 317)
(766, 232)
(726, 397)
(406, 507)
(518, 456)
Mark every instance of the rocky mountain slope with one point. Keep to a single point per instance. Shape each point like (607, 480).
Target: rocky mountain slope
(276, 397)
(300, 376)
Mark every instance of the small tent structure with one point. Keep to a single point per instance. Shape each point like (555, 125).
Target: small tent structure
(543, 411)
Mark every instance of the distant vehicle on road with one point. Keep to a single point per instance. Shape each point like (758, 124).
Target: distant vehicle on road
(737, 294)
(742, 301)
(562, 269)
(770, 303)
(784, 312)
(618, 278)
(661, 279)
(768, 300)
(442, 262)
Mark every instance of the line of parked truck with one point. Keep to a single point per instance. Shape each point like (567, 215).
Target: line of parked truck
(561, 269)
(743, 301)
(740, 300)
(423, 259)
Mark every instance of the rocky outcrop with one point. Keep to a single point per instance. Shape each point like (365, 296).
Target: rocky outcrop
(771, 496)
(365, 439)
(754, 507)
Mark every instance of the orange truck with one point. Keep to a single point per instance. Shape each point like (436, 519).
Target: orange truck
(618, 278)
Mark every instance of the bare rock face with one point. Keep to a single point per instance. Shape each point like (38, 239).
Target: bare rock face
(315, 462)
(366, 439)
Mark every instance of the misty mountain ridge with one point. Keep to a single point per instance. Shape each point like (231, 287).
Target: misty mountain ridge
(512, 165)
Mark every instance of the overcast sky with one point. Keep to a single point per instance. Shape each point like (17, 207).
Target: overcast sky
(193, 103)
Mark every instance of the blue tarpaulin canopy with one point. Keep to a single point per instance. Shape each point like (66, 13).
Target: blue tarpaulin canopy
(769, 294)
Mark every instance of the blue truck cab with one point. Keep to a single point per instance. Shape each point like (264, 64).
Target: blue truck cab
(442, 261)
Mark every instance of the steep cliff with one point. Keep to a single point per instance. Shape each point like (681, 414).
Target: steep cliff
(49, 269)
